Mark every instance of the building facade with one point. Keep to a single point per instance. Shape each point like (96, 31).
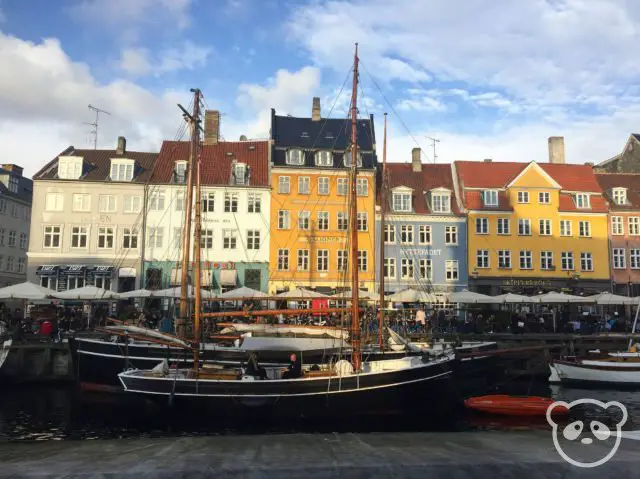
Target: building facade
(534, 227)
(425, 233)
(235, 215)
(623, 192)
(16, 193)
(88, 219)
(310, 241)
(628, 161)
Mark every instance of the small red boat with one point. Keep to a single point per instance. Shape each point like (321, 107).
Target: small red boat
(513, 405)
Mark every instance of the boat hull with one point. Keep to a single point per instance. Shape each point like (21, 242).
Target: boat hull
(504, 405)
(596, 373)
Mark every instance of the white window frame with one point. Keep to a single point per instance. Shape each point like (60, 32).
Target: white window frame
(284, 185)
(302, 259)
(619, 258)
(526, 260)
(617, 226)
(342, 260)
(362, 187)
(231, 202)
(584, 229)
(229, 239)
(407, 269)
(424, 235)
(504, 259)
(109, 235)
(208, 201)
(254, 241)
(130, 234)
(157, 200)
(544, 198)
(53, 234)
(240, 176)
(82, 232)
(347, 159)
(389, 234)
(500, 226)
(546, 261)
(323, 221)
(490, 198)
(304, 185)
(156, 236)
(324, 187)
(425, 269)
(523, 197)
(451, 234)
(322, 260)
(583, 200)
(180, 172)
(254, 202)
(619, 196)
(634, 258)
(111, 205)
(524, 227)
(452, 270)
(342, 221)
(81, 202)
(482, 259)
(132, 204)
(54, 202)
(283, 259)
(566, 228)
(406, 234)
(362, 221)
(482, 226)
(324, 158)
(363, 260)
(389, 268)
(70, 168)
(284, 220)
(634, 225)
(567, 261)
(295, 157)
(304, 220)
(206, 239)
(342, 188)
(401, 202)
(441, 203)
(545, 227)
(24, 243)
(586, 262)
(122, 170)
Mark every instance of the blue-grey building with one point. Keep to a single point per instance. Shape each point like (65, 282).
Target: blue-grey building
(425, 234)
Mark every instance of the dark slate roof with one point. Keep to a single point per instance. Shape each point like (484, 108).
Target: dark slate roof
(279, 158)
(216, 161)
(98, 165)
(25, 188)
(636, 136)
(630, 181)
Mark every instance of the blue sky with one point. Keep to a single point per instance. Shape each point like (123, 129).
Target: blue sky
(488, 78)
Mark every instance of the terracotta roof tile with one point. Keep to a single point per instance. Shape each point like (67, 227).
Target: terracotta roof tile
(473, 201)
(567, 203)
(483, 174)
(573, 177)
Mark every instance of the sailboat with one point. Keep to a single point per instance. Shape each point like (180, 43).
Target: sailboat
(346, 385)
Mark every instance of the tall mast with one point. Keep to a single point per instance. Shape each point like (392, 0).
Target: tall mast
(195, 148)
(186, 237)
(383, 211)
(355, 312)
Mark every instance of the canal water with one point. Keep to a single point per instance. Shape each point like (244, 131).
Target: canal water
(60, 413)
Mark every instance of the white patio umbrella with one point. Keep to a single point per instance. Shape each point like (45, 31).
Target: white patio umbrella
(512, 298)
(411, 295)
(26, 290)
(243, 292)
(87, 293)
(138, 293)
(470, 297)
(606, 298)
(559, 298)
(361, 295)
(176, 293)
(301, 293)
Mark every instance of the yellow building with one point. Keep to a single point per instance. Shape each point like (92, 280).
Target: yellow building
(309, 238)
(534, 227)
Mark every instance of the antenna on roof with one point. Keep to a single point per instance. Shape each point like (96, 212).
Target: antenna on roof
(94, 132)
(433, 143)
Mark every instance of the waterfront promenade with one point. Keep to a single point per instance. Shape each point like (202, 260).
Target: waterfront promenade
(529, 454)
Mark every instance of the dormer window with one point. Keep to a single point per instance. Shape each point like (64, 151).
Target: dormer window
(122, 170)
(324, 158)
(13, 184)
(295, 157)
(440, 202)
(583, 200)
(347, 159)
(240, 174)
(180, 172)
(70, 168)
(620, 196)
(491, 198)
(401, 202)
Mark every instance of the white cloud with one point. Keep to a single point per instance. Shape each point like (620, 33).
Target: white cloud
(422, 103)
(138, 61)
(135, 61)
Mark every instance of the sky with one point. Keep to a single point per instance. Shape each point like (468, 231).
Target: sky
(487, 78)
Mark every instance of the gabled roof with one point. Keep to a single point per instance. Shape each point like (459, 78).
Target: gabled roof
(636, 136)
(573, 177)
(534, 166)
(216, 161)
(630, 181)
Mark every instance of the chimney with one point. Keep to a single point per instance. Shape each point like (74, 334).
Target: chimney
(416, 161)
(15, 169)
(315, 110)
(122, 146)
(211, 127)
(556, 149)
(488, 160)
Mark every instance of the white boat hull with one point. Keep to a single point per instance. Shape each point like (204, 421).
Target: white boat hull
(596, 373)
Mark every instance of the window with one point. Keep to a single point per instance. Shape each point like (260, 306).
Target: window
(565, 228)
(52, 236)
(406, 234)
(343, 260)
(132, 204)
(229, 239)
(130, 238)
(303, 185)
(254, 204)
(3, 206)
(283, 260)
(323, 260)
(180, 172)
(424, 234)
(451, 270)
(10, 264)
(303, 220)
(406, 268)
(491, 198)
(482, 258)
(389, 269)
(1, 236)
(295, 157)
(451, 235)
(546, 260)
(107, 204)
(363, 260)
(524, 227)
(13, 184)
(440, 203)
(283, 220)
(402, 202)
(231, 202)
(69, 168)
(23, 241)
(121, 171)
(26, 213)
(54, 202)
(523, 197)
(343, 221)
(156, 201)
(206, 239)
(482, 226)
(545, 227)
(585, 229)
(103, 282)
(156, 237)
(504, 258)
(240, 176)
(544, 198)
(303, 260)
(586, 261)
(324, 158)
(566, 257)
(343, 186)
(105, 237)
(634, 256)
(620, 196)
(583, 200)
(504, 226)
(21, 265)
(177, 238)
(284, 186)
(208, 202)
(634, 225)
(45, 281)
(253, 239)
(79, 236)
(347, 159)
(389, 234)
(323, 185)
(323, 220)
(14, 210)
(526, 260)
(12, 239)
(425, 269)
(363, 221)
(617, 226)
(619, 258)
(75, 281)
(362, 187)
